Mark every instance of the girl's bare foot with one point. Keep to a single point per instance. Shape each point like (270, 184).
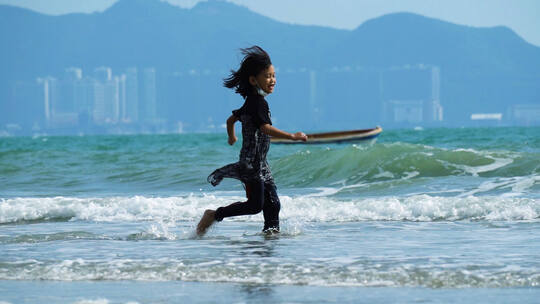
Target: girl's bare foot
(206, 221)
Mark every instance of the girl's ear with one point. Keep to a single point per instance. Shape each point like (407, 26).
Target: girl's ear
(252, 80)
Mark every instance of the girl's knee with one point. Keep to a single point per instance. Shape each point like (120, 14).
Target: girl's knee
(255, 196)
(255, 210)
(254, 206)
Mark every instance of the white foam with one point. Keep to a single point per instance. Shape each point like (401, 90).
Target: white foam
(413, 208)
(324, 191)
(257, 271)
(409, 175)
(384, 174)
(301, 208)
(518, 184)
(136, 208)
(523, 183)
(498, 162)
(98, 301)
(159, 231)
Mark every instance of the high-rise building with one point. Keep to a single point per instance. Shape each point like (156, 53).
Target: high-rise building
(122, 97)
(113, 90)
(103, 74)
(106, 97)
(85, 100)
(49, 87)
(72, 74)
(148, 96)
(433, 108)
(69, 92)
(130, 111)
(68, 100)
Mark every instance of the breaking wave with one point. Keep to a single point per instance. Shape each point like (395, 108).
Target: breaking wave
(310, 208)
(398, 161)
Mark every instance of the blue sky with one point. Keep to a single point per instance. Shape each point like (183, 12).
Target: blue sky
(522, 16)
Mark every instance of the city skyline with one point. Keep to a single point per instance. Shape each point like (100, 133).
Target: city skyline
(128, 102)
(400, 70)
(100, 98)
(82, 101)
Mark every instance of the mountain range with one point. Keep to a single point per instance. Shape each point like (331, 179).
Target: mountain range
(481, 69)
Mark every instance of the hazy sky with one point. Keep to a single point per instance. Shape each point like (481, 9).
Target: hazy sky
(523, 16)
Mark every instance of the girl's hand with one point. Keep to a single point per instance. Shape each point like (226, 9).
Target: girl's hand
(299, 136)
(232, 140)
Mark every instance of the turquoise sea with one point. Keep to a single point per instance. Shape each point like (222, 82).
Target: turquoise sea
(420, 216)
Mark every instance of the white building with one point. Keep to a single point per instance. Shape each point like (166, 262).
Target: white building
(106, 108)
(50, 93)
(130, 109)
(148, 97)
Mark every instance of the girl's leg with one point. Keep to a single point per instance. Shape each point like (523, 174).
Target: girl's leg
(271, 207)
(254, 204)
(206, 221)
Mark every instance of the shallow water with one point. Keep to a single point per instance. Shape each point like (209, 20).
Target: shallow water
(200, 292)
(441, 215)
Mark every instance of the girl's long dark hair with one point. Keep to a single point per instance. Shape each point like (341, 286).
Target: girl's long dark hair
(255, 61)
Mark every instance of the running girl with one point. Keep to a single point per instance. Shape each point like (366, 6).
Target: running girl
(254, 80)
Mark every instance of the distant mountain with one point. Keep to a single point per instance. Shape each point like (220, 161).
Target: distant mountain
(482, 69)
(151, 32)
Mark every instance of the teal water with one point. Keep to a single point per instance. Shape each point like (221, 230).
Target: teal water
(432, 213)
(172, 164)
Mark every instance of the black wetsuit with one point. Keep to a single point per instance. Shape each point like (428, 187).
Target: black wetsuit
(252, 168)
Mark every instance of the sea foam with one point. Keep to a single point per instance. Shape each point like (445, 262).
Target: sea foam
(304, 208)
(317, 273)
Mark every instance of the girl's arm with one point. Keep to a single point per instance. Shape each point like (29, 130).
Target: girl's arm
(230, 129)
(275, 132)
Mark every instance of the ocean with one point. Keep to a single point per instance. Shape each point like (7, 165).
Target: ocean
(420, 216)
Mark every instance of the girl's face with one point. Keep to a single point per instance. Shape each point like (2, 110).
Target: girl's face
(266, 80)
